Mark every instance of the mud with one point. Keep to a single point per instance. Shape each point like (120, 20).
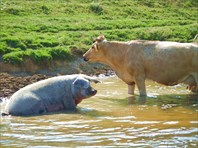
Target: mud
(10, 84)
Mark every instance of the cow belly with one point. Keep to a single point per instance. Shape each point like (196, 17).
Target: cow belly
(170, 81)
(169, 70)
(169, 76)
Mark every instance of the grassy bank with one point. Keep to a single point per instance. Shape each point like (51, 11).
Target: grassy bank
(46, 30)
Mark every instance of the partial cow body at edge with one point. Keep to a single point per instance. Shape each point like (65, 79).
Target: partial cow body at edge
(168, 63)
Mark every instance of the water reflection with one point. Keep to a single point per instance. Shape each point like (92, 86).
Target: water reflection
(112, 118)
(183, 99)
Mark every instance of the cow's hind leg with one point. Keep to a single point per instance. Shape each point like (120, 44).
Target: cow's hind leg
(140, 81)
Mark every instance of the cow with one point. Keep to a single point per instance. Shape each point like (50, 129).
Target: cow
(168, 63)
(50, 95)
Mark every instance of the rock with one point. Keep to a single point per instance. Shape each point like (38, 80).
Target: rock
(167, 106)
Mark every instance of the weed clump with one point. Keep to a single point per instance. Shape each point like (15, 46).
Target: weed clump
(96, 8)
(45, 9)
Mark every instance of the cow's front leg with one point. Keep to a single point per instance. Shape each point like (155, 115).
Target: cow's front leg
(140, 81)
(131, 89)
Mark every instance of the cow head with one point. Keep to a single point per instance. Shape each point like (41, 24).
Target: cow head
(95, 53)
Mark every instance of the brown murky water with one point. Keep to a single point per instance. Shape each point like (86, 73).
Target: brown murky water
(167, 118)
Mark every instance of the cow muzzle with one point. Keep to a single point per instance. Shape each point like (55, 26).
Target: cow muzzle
(85, 58)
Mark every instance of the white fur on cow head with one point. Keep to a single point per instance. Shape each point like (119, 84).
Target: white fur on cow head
(100, 39)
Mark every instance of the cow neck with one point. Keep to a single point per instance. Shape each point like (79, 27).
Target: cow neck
(114, 54)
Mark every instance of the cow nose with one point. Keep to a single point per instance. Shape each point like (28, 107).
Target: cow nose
(85, 59)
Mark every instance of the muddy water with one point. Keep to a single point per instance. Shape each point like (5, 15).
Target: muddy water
(168, 117)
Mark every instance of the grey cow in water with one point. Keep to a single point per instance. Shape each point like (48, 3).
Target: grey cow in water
(53, 94)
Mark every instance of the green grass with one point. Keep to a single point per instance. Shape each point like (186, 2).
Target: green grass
(59, 29)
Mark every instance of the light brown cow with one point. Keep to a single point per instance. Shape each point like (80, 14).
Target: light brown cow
(168, 63)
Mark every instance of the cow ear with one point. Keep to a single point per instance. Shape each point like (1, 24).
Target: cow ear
(81, 82)
(100, 38)
(97, 47)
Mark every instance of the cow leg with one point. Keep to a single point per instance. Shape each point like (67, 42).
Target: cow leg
(140, 81)
(195, 75)
(131, 89)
